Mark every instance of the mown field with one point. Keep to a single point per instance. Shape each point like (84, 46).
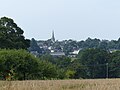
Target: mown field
(87, 84)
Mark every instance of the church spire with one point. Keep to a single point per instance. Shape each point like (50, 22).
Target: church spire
(53, 37)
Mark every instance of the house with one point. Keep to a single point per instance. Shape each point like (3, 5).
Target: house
(74, 53)
(57, 54)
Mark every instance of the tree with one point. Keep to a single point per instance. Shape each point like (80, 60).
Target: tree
(11, 36)
(18, 64)
(65, 66)
(114, 65)
(91, 43)
(94, 62)
(34, 46)
(21, 65)
(70, 46)
(48, 70)
(104, 44)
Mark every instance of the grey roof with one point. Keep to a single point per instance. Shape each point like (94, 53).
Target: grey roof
(57, 53)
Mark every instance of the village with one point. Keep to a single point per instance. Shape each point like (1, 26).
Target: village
(70, 48)
(55, 48)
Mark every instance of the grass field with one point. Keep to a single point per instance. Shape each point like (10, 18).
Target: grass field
(85, 84)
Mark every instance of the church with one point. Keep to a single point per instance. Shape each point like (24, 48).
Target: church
(53, 37)
(53, 50)
(54, 47)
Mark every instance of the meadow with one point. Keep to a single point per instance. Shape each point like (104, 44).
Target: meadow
(83, 84)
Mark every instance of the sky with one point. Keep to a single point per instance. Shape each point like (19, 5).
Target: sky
(70, 19)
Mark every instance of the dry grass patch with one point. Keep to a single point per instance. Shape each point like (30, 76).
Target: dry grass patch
(85, 84)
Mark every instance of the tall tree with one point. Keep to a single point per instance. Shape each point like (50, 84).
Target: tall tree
(34, 46)
(11, 36)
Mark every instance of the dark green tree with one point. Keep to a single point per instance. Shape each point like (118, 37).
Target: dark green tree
(17, 64)
(21, 65)
(91, 43)
(34, 46)
(11, 36)
(65, 66)
(94, 62)
(103, 45)
(114, 65)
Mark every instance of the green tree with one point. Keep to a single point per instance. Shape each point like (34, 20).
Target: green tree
(21, 65)
(48, 70)
(11, 36)
(65, 66)
(104, 44)
(91, 43)
(18, 64)
(94, 62)
(70, 46)
(34, 46)
(78, 68)
(114, 65)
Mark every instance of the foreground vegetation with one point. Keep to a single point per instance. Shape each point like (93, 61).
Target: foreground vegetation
(85, 84)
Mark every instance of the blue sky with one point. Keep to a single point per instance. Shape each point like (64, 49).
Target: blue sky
(70, 19)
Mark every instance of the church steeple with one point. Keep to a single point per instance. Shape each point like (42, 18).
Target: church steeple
(53, 37)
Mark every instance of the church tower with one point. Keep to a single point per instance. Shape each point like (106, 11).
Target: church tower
(53, 37)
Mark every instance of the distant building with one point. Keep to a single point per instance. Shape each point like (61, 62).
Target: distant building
(74, 53)
(57, 53)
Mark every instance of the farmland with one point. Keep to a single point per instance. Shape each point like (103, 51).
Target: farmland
(83, 84)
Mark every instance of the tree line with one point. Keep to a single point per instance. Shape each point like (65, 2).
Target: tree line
(70, 45)
(90, 63)
(16, 63)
